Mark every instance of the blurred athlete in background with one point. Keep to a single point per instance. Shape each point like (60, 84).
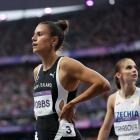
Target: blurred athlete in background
(123, 106)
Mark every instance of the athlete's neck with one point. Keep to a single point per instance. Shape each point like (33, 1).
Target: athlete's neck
(48, 61)
(127, 91)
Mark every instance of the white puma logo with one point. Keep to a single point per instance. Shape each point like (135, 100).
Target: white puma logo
(52, 74)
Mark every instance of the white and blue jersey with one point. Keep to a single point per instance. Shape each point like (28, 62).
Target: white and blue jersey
(127, 116)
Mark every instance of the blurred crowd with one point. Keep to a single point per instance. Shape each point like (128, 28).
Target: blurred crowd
(106, 27)
(16, 96)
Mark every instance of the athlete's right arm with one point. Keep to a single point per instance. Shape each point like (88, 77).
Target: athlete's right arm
(35, 73)
(107, 124)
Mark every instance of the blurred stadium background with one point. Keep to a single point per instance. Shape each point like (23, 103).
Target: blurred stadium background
(101, 32)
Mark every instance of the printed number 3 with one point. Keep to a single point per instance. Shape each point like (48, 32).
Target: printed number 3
(68, 131)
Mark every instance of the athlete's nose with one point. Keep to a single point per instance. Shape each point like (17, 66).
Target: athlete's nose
(34, 38)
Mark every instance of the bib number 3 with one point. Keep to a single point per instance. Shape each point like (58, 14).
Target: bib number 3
(67, 129)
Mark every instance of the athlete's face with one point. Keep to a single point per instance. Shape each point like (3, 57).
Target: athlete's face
(41, 40)
(128, 71)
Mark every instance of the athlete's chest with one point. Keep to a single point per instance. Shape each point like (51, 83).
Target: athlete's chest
(46, 80)
(127, 109)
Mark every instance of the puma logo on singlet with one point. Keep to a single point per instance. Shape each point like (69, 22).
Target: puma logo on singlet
(52, 74)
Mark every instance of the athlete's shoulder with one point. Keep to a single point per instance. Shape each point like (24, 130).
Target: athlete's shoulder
(111, 99)
(137, 91)
(69, 59)
(68, 62)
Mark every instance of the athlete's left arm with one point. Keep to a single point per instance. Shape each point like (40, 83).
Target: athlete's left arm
(77, 70)
(99, 84)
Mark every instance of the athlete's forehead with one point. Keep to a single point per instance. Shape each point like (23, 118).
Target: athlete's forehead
(128, 62)
(41, 28)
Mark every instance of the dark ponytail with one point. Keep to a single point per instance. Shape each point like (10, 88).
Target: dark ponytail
(63, 24)
(117, 82)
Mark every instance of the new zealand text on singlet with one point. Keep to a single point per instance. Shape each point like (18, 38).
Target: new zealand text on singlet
(39, 85)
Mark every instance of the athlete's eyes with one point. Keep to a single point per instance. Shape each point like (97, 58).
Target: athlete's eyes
(130, 67)
(39, 33)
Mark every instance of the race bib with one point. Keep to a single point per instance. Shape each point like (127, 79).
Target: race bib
(43, 103)
(126, 128)
(66, 129)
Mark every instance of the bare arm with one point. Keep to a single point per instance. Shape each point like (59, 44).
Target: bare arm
(79, 72)
(107, 124)
(35, 73)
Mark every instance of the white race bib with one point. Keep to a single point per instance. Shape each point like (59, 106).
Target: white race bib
(127, 127)
(43, 103)
(66, 129)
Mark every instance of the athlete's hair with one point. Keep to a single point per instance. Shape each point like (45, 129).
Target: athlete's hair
(58, 29)
(118, 67)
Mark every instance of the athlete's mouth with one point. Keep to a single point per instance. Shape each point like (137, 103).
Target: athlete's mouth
(34, 44)
(134, 75)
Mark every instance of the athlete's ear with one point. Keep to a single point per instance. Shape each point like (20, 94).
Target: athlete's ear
(118, 75)
(54, 40)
